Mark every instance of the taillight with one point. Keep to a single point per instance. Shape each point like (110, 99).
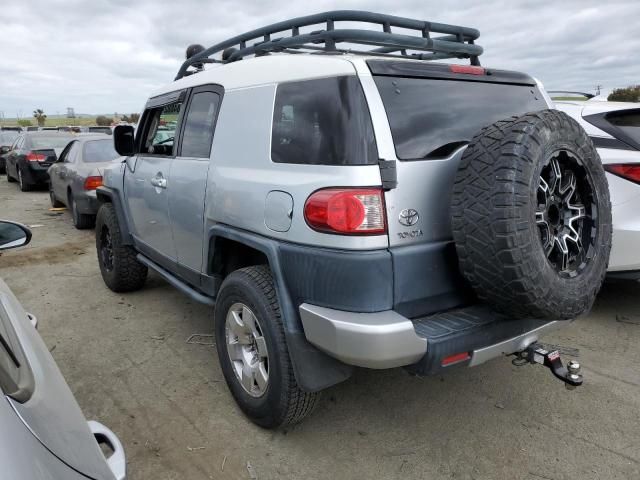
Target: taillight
(628, 171)
(91, 183)
(36, 157)
(349, 211)
(468, 69)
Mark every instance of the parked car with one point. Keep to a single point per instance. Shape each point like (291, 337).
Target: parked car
(614, 128)
(7, 137)
(353, 210)
(31, 155)
(77, 173)
(44, 434)
(106, 130)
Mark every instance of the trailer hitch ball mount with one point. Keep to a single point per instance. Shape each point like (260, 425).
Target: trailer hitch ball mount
(537, 353)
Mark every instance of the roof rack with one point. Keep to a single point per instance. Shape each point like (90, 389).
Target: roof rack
(454, 41)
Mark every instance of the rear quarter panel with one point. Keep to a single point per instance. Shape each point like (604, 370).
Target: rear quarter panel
(242, 174)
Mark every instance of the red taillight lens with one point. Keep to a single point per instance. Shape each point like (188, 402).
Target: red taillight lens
(35, 157)
(91, 183)
(468, 69)
(351, 211)
(455, 358)
(628, 171)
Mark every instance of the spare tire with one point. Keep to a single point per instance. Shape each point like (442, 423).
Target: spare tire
(531, 216)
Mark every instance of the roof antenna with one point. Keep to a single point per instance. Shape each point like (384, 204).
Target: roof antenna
(192, 50)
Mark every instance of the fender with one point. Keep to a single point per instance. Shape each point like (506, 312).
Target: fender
(109, 195)
(314, 370)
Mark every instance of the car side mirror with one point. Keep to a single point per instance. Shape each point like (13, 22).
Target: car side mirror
(123, 140)
(13, 235)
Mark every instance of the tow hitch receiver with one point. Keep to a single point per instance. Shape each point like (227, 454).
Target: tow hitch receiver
(538, 353)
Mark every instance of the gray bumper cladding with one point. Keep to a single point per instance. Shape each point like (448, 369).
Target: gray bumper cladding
(373, 340)
(387, 339)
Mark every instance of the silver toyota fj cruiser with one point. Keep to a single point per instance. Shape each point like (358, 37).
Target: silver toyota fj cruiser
(346, 206)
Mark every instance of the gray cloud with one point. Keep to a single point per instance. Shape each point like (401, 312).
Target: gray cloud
(106, 56)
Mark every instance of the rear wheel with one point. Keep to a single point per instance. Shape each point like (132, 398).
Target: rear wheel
(81, 221)
(119, 266)
(24, 185)
(253, 351)
(531, 216)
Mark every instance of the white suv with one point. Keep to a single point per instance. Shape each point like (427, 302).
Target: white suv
(614, 128)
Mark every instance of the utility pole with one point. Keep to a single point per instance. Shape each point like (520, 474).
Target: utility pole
(598, 87)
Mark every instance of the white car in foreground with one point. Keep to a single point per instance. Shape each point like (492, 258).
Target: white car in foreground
(614, 128)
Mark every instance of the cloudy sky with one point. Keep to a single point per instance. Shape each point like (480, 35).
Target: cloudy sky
(105, 56)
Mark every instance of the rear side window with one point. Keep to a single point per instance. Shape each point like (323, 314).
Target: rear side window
(628, 121)
(322, 122)
(99, 151)
(198, 127)
(430, 117)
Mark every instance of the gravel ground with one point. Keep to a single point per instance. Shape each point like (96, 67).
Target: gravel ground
(127, 360)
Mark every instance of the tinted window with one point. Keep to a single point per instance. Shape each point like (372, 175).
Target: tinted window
(628, 122)
(322, 122)
(427, 115)
(99, 151)
(198, 127)
(160, 129)
(58, 141)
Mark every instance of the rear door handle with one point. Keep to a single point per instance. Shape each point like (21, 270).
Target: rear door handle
(159, 181)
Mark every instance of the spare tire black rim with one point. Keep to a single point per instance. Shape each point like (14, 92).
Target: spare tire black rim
(566, 213)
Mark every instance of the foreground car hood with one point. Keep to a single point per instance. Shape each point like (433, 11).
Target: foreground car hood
(52, 413)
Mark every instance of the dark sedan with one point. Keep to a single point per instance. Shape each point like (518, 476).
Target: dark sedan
(31, 155)
(77, 174)
(7, 137)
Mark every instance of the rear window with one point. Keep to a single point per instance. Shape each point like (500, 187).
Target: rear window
(99, 151)
(50, 142)
(322, 122)
(428, 115)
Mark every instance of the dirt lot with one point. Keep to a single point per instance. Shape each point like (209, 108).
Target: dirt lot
(127, 360)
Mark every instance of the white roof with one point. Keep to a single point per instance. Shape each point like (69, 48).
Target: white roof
(266, 70)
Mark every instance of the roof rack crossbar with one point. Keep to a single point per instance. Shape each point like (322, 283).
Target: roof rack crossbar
(455, 41)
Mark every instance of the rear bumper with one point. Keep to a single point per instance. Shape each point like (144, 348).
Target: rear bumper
(387, 339)
(35, 174)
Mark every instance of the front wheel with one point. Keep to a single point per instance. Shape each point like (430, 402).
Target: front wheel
(253, 351)
(120, 269)
(55, 203)
(81, 221)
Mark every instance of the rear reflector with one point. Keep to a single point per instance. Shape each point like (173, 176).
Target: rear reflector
(348, 211)
(468, 69)
(91, 183)
(36, 157)
(455, 358)
(628, 171)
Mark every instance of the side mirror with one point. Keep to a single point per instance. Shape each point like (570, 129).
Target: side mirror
(13, 235)
(123, 140)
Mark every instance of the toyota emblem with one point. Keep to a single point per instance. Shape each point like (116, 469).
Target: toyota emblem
(408, 217)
